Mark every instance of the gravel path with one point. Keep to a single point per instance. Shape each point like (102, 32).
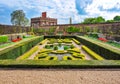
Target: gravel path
(48, 76)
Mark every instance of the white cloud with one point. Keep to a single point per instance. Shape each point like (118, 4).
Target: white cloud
(93, 9)
(64, 9)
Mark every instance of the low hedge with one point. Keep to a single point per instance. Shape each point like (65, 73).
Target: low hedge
(27, 54)
(74, 50)
(44, 51)
(60, 64)
(105, 50)
(59, 52)
(19, 48)
(42, 42)
(46, 58)
(78, 55)
(68, 58)
(91, 53)
(76, 41)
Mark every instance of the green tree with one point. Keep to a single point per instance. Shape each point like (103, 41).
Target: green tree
(110, 21)
(18, 18)
(99, 19)
(116, 18)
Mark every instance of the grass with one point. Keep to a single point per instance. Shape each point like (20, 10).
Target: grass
(107, 43)
(104, 45)
(15, 43)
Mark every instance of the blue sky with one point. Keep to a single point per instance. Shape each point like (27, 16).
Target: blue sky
(60, 9)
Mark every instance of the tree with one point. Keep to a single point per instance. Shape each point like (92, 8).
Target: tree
(18, 18)
(110, 21)
(116, 18)
(99, 19)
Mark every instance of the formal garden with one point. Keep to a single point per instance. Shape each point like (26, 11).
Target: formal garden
(28, 50)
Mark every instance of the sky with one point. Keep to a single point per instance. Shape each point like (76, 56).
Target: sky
(78, 10)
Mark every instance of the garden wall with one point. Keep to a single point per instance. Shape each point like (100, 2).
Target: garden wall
(106, 51)
(19, 49)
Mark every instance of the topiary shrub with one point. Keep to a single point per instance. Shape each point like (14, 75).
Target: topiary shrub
(69, 58)
(66, 47)
(47, 46)
(55, 48)
(72, 46)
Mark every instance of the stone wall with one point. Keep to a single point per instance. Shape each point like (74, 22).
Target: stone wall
(9, 29)
(105, 28)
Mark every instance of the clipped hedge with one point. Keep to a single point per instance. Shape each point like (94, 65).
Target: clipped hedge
(91, 53)
(68, 58)
(76, 41)
(20, 48)
(42, 42)
(60, 64)
(3, 38)
(106, 51)
(27, 54)
(74, 50)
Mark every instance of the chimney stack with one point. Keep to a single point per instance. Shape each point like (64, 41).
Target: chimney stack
(44, 14)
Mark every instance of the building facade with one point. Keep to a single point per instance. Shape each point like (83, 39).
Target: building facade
(43, 21)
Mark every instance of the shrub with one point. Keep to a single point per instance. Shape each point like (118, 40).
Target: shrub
(59, 41)
(47, 46)
(69, 58)
(42, 42)
(78, 56)
(44, 51)
(3, 38)
(59, 52)
(76, 41)
(66, 47)
(72, 46)
(74, 50)
(93, 54)
(27, 54)
(55, 48)
(67, 41)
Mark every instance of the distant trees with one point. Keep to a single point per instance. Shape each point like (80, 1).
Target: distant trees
(18, 18)
(100, 19)
(116, 18)
(94, 20)
(72, 29)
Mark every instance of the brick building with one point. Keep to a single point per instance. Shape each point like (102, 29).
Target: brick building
(43, 21)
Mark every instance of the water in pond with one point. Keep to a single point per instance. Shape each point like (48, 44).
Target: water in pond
(60, 56)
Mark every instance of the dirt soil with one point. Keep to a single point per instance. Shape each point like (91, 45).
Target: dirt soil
(59, 76)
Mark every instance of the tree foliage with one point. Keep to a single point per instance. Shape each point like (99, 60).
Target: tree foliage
(72, 29)
(18, 18)
(94, 20)
(116, 18)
